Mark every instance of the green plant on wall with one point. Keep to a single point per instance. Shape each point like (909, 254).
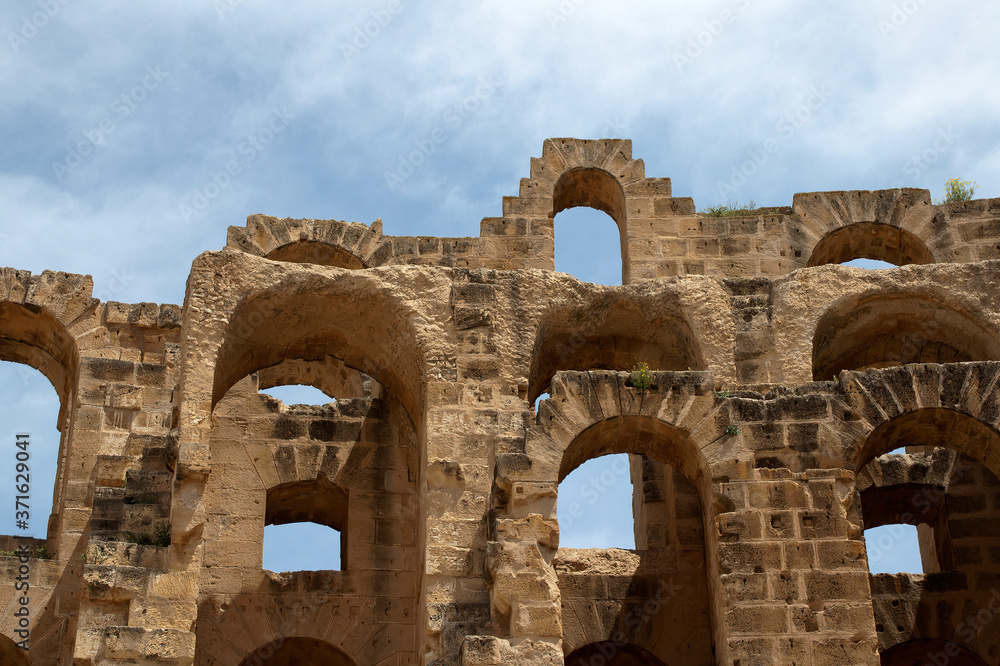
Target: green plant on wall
(159, 538)
(641, 378)
(139, 538)
(161, 535)
(956, 189)
(732, 209)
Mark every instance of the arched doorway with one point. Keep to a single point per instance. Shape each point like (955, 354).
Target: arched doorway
(297, 651)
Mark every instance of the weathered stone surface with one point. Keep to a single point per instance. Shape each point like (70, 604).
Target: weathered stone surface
(762, 441)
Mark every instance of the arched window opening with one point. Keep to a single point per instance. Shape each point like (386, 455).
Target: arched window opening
(313, 252)
(595, 505)
(890, 330)
(669, 562)
(28, 405)
(297, 651)
(311, 519)
(301, 547)
(870, 240)
(584, 239)
(598, 190)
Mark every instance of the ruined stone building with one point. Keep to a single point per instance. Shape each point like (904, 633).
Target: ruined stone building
(759, 447)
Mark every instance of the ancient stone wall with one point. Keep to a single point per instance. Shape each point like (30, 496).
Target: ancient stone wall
(782, 388)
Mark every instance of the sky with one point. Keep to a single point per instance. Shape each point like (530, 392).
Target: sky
(133, 134)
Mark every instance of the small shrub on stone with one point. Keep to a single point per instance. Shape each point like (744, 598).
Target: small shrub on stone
(956, 189)
(732, 209)
(641, 377)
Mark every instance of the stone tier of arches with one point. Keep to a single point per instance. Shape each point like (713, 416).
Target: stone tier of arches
(660, 235)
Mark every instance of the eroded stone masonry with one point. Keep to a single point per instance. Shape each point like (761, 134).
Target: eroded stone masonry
(759, 453)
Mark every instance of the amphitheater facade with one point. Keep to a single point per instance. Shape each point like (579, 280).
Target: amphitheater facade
(759, 448)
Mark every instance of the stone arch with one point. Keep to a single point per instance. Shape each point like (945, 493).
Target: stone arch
(329, 375)
(924, 651)
(576, 172)
(882, 330)
(609, 332)
(870, 240)
(936, 427)
(953, 405)
(315, 252)
(303, 463)
(824, 215)
(599, 173)
(297, 651)
(612, 653)
(591, 187)
(675, 421)
(665, 607)
(41, 319)
(33, 336)
(679, 408)
(637, 435)
(906, 489)
(323, 242)
(367, 335)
